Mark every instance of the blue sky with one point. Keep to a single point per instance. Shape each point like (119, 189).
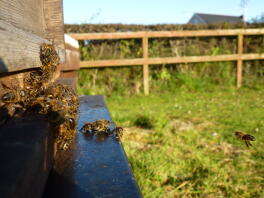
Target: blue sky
(152, 11)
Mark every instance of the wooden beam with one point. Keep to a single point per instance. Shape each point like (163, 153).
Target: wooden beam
(72, 61)
(145, 65)
(26, 15)
(191, 59)
(239, 60)
(112, 63)
(253, 56)
(115, 35)
(19, 49)
(157, 34)
(53, 20)
(194, 33)
(169, 60)
(72, 55)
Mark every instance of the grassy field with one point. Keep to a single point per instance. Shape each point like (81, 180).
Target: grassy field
(181, 143)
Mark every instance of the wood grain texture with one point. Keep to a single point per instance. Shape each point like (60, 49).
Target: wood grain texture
(19, 49)
(24, 26)
(53, 20)
(26, 15)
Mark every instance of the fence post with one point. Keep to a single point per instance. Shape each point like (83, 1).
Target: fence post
(145, 65)
(239, 60)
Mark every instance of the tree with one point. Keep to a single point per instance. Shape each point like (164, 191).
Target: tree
(258, 19)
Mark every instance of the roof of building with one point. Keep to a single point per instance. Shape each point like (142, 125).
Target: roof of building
(213, 18)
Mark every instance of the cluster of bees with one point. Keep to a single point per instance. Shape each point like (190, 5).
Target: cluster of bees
(57, 102)
(102, 127)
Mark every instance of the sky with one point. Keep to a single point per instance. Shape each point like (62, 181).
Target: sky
(153, 11)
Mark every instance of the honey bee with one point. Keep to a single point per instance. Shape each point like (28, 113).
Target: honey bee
(70, 123)
(56, 117)
(246, 137)
(119, 133)
(49, 57)
(99, 126)
(58, 103)
(87, 127)
(14, 96)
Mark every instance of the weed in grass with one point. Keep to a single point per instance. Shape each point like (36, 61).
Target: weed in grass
(143, 121)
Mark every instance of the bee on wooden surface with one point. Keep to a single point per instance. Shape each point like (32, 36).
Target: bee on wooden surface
(99, 126)
(119, 133)
(246, 137)
(87, 127)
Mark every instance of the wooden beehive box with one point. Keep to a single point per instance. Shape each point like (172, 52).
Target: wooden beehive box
(24, 26)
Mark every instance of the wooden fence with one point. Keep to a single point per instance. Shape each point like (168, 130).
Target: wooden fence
(146, 61)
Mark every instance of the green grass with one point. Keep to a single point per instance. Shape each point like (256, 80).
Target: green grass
(181, 144)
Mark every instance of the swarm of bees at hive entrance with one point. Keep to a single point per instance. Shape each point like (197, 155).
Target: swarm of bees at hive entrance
(245, 137)
(102, 127)
(57, 102)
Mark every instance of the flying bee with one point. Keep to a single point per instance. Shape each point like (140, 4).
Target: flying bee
(119, 133)
(246, 137)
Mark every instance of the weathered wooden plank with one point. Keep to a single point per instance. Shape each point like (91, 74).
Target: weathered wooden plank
(19, 49)
(69, 78)
(170, 60)
(26, 150)
(112, 63)
(240, 61)
(191, 59)
(72, 61)
(194, 33)
(252, 56)
(26, 15)
(95, 166)
(98, 36)
(53, 22)
(183, 33)
(145, 66)
(72, 55)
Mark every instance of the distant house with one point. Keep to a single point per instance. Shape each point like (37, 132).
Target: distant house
(199, 18)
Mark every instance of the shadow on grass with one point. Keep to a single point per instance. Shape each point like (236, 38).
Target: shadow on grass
(143, 121)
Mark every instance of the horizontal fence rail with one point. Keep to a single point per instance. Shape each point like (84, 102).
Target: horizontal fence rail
(146, 61)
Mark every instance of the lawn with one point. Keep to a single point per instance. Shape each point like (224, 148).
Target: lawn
(182, 143)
